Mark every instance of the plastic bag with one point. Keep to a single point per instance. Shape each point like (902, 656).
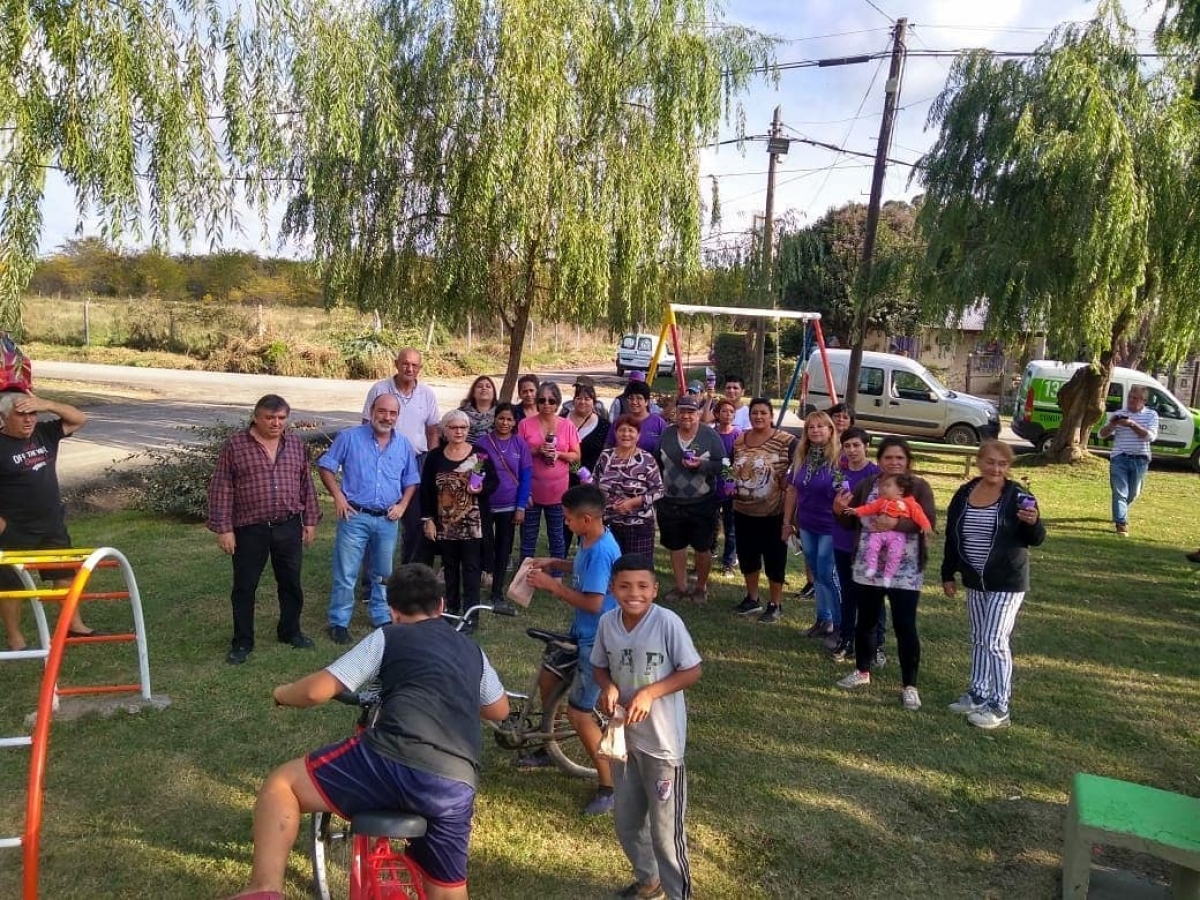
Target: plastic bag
(612, 742)
(520, 591)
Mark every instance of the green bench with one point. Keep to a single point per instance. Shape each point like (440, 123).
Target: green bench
(1139, 818)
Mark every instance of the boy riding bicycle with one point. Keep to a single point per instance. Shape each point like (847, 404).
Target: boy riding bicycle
(422, 751)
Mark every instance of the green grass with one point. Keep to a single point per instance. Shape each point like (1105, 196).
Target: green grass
(797, 790)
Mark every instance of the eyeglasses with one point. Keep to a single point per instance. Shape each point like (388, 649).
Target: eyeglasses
(541, 400)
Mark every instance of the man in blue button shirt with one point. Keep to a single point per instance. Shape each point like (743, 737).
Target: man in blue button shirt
(379, 479)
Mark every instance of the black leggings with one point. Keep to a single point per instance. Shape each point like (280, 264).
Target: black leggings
(759, 545)
(502, 531)
(904, 623)
(461, 563)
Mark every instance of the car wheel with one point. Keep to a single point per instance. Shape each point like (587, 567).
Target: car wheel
(1196, 461)
(1042, 444)
(962, 436)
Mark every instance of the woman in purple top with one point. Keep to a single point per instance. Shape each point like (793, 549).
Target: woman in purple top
(723, 413)
(815, 479)
(856, 467)
(635, 401)
(514, 470)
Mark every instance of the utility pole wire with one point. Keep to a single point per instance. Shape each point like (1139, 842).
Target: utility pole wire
(891, 96)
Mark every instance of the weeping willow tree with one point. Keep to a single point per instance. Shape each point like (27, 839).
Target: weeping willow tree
(510, 157)
(156, 112)
(1062, 189)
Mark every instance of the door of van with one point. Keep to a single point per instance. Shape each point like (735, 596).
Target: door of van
(900, 402)
(871, 409)
(1176, 427)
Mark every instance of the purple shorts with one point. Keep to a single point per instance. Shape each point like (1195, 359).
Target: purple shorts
(353, 778)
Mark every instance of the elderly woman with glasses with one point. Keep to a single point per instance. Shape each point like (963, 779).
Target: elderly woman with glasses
(554, 445)
(455, 483)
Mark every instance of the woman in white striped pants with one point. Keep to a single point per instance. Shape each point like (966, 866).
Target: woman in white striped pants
(991, 524)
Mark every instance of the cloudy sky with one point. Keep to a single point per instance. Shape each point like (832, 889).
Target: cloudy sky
(843, 105)
(839, 105)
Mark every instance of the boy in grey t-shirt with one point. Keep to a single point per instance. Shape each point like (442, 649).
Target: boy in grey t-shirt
(644, 659)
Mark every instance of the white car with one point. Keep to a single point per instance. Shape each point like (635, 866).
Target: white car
(635, 351)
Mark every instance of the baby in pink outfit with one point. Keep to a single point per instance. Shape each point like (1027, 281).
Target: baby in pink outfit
(895, 500)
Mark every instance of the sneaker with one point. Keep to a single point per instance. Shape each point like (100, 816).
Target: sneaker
(339, 634)
(855, 679)
(809, 590)
(880, 659)
(728, 571)
(237, 655)
(988, 718)
(698, 596)
(1122, 529)
(299, 641)
(771, 615)
(844, 652)
(675, 595)
(538, 759)
(644, 891)
(832, 641)
(748, 606)
(819, 629)
(600, 804)
(910, 699)
(502, 607)
(966, 704)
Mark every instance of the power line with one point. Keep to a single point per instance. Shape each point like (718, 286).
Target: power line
(871, 4)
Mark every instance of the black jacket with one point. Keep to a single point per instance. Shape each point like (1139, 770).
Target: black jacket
(1007, 567)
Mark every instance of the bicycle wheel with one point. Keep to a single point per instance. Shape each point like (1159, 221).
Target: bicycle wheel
(331, 848)
(562, 743)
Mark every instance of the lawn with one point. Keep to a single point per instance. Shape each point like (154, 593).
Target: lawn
(797, 789)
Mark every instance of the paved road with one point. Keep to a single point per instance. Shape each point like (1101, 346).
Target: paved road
(169, 400)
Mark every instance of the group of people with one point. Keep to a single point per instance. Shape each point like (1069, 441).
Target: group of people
(459, 486)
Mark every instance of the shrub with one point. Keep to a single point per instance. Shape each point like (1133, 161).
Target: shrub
(173, 480)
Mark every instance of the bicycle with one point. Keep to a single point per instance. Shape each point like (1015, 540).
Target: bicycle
(365, 857)
(527, 727)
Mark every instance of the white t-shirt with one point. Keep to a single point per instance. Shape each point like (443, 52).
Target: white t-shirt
(418, 410)
(741, 418)
(658, 646)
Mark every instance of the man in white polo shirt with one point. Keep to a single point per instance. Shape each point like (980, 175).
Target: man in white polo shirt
(419, 417)
(1133, 428)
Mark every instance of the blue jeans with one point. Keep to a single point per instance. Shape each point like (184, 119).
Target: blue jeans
(359, 535)
(818, 553)
(1125, 475)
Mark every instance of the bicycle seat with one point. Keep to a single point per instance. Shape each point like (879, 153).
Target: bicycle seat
(550, 637)
(388, 823)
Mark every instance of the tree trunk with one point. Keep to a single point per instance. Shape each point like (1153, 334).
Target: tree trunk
(520, 322)
(1081, 400)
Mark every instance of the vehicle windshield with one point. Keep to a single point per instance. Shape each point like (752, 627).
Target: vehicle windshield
(933, 382)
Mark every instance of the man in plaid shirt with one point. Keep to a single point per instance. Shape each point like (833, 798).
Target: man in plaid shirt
(262, 503)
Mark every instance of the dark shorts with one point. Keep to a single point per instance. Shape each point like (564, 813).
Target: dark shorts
(13, 538)
(353, 778)
(683, 525)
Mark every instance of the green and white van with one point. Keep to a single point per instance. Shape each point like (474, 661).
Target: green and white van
(1036, 415)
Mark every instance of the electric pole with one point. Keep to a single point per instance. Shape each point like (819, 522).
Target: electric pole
(862, 308)
(768, 256)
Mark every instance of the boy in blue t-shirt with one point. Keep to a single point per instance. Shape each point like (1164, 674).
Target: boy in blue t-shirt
(590, 597)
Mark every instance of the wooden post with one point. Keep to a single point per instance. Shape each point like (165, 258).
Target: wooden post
(429, 334)
(262, 326)
(469, 335)
(87, 322)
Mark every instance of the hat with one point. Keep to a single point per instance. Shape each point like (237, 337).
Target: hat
(695, 388)
(687, 401)
(637, 375)
(585, 381)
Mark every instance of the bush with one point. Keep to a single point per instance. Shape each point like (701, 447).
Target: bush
(173, 480)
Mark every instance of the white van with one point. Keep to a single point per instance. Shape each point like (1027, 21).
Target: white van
(898, 395)
(1036, 415)
(635, 351)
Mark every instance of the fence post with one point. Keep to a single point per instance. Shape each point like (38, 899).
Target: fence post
(469, 335)
(429, 334)
(87, 322)
(262, 328)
